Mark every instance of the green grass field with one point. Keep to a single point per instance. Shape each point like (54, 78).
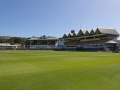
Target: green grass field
(59, 70)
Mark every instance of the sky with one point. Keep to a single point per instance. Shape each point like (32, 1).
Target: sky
(27, 18)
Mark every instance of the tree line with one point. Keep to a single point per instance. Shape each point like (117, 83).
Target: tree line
(15, 40)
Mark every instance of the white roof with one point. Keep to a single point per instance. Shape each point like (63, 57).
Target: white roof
(108, 31)
(111, 42)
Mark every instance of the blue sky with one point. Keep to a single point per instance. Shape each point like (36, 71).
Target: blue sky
(26, 18)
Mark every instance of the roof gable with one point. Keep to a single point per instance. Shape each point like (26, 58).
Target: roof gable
(97, 31)
(74, 34)
(92, 32)
(87, 33)
(64, 36)
(69, 35)
(80, 33)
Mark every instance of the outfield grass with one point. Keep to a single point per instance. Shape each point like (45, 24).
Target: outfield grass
(54, 70)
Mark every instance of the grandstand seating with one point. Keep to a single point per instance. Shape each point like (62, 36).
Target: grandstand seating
(51, 43)
(72, 42)
(43, 42)
(33, 42)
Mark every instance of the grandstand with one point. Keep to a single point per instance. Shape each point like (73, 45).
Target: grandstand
(43, 42)
(100, 39)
